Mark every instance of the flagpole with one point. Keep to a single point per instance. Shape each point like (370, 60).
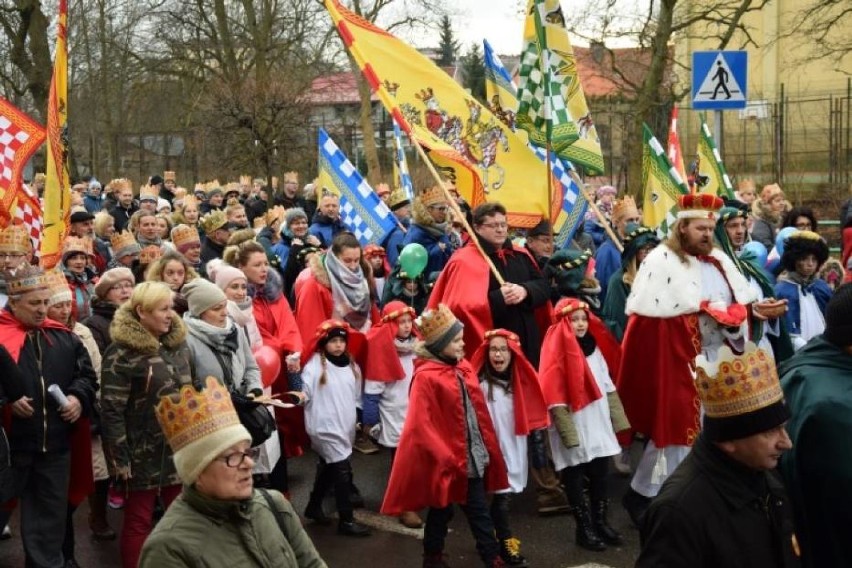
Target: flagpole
(603, 220)
(455, 208)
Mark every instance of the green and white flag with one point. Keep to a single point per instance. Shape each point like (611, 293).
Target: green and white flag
(710, 167)
(662, 185)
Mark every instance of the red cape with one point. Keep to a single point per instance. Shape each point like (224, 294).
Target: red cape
(530, 408)
(430, 467)
(564, 373)
(463, 288)
(378, 364)
(655, 383)
(314, 305)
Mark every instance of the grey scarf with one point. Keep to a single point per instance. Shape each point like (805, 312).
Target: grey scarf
(349, 292)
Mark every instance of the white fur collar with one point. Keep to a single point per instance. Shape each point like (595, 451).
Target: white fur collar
(665, 287)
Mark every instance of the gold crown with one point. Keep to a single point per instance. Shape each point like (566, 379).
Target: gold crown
(189, 415)
(118, 184)
(199, 187)
(275, 214)
(291, 177)
(232, 186)
(169, 176)
(184, 235)
(737, 384)
(625, 207)
(122, 240)
(213, 220)
(245, 180)
(74, 245)
(26, 279)
(190, 200)
(397, 197)
(58, 286)
(382, 188)
(432, 196)
(16, 239)
(434, 323)
(150, 254)
(148, 192)
(212, 186)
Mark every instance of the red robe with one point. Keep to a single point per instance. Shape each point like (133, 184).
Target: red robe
(430, 467)
(314, 305)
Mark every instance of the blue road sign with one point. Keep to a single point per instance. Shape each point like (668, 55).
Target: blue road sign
(719, 79)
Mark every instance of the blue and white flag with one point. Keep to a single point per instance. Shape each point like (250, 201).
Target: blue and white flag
(361, 210)
(400, 165)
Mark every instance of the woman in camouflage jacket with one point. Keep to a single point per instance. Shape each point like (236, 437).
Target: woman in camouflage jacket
(147, 359)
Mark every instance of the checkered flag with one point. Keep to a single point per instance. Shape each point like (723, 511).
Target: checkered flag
(28, 212)
(20, 137)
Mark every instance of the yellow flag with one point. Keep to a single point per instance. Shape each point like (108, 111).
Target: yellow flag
(712, 176)
(57, 186)
(662, 184)
(468, 144)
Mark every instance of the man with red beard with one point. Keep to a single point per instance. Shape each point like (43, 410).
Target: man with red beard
(688, 298)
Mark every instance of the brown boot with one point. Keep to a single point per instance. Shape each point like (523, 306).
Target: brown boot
(97, 517)
(411, 520)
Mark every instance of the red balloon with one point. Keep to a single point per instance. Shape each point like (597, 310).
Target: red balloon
(269, 362)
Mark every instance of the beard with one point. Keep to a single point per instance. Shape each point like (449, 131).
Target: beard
(702, 246)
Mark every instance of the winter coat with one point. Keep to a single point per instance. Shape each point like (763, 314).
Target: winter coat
(99, 322)
(138, 369)
(392, 242)
(82, 292)
(714, 511)
(198, 531)
(325, 229)
(122, 215)
(607, 263)
(438, 255)
(764, 225)
(209, 251)
(230, 346)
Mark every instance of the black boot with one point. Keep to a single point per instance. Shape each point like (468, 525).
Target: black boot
(510, 552)
(352, 528)
(435, 560)
(586, 537)
(636, 505)
(314, 510)
(601, 524)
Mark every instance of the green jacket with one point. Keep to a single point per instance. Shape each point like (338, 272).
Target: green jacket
(817, 383)
(200, 531)
(137, 370)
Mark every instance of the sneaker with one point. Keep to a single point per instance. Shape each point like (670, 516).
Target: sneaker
(115, 500)
(6, 534)
(510, 552)
(411, 520)
(621, 462)
(365, 444)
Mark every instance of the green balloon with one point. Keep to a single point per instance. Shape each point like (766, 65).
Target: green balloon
(413, 259)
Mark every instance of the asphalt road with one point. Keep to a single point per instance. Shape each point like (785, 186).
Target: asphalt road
(547, 542)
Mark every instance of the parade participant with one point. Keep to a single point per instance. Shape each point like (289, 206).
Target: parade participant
(15, 244)
(688, 298)
(516, 406)
(113, 289)
(806, 294)
(214, 198)
(149, 348)
(638, 242)
(539, 242)
(746, 191)
(164, 227)
(608, 257)
(818, 470)
(125, 205)
(187, 242)
(42, 437)
(92, 200)
(125, 250)
(766, 213)
(148, 196)
(326, 223)
(379, 267)
(215, 227)
(388, 381)
(187, 213)
(220, 520)
(143, 224)
(175, 271)
(577, 355)
(452, 456)
(294, 236)
(268, 229)
(289, 196)
(400, 206)
(604, 197)
(331, 381)
(412, 292)
(82, 224)
(724, 505)
(429, 227)
(572, 273)
(236, 214)
(233, 282)
(76, 256)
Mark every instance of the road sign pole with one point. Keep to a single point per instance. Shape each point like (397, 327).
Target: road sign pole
(717, 130)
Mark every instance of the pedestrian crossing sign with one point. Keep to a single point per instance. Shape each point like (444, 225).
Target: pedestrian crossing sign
(719, 79)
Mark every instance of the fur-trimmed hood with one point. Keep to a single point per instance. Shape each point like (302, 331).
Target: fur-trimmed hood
(318, 269)
(272, 290)
(762, 210)
(127, 330)
(420, 214)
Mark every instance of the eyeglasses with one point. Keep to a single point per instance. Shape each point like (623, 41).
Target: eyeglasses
(8, 255)
(495, 225)
(122, 286)
(498, 350)
(237, 458)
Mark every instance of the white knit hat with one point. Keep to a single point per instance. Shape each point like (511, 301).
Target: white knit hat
(201, 295)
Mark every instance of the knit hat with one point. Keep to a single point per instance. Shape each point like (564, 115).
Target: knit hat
(800, 244)
(838, 317)
(293, 214)
(162, 203)
(199, 426)
(439, 326)
(124, 244)
(112, 277)
(605, 190)
(201, 295)
(58, 286)
(225, 274)
(156, 179)
(740, 394)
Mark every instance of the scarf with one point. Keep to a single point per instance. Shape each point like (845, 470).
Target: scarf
(222, 339)
(341, 360)
(437, 230)
(350, 292)
(587, 343)
(404, 346)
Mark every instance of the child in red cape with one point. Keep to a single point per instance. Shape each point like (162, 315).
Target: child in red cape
(516, 405)
(448, 454)
(577, 356)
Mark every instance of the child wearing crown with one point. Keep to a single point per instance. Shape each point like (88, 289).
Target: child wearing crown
(451, 454)
(388, 381)
(331, 381)
(516, 405)
(577, 356)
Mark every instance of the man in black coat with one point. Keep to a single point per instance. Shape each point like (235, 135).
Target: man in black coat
(725, 505)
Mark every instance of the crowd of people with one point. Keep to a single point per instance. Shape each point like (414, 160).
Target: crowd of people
(498, 363)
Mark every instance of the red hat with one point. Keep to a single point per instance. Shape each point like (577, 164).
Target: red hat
(378, 365)
(699, 206)
(530, 408)
(331, 328)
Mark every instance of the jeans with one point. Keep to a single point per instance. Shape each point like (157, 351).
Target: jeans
(500, 515)
(478, 517)
(139, 520)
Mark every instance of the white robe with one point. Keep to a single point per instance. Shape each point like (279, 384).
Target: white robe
(393, 404)
(330, 410)
(512, 446)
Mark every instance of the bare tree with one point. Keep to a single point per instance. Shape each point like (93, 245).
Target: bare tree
(825, 25)
(25, 31)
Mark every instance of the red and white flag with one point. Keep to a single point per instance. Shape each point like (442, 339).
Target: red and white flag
(673, 148)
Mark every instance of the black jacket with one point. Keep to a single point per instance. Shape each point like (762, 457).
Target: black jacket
(64, 361)
(122, 215)
(714, 512)
(209, 251)
(98, 322)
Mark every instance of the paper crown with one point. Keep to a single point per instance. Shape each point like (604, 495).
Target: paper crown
(190, 200)
(118, 184)
(169, 176)
(214, 220)
(770, 191)
(432, 196)
(699, 206)
(26, 279)
(735, 385)
(189, 414)
(291, 177)
(232, 187)
(212, 186)
(183, 235)
(277, 213)
(199, 188)
(625, 207)
(372, 250)
(148, 192)
(123, 243)
(398, 198)
(150, 254)
(382, 189)
(434, 323)
(15, 239)
(746, 185)
(58, 286)
(75, 245)
(245, 180)
(274, 182)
